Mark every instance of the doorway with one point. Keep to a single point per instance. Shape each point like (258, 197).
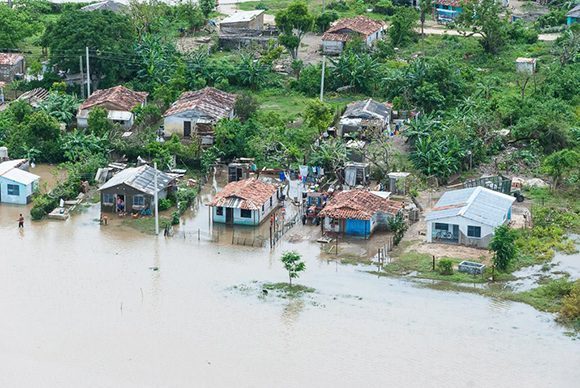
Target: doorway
(187, 129)
(229, 215)
(120, 204)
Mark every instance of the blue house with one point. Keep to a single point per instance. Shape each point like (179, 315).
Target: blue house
(245, 202)
(573, 16)
(447, 10)
(16, 184)
(358, 212)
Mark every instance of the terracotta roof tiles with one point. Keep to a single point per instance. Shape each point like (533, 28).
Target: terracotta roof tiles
(211, 101)
(10, 59)
(359, 205)
(249, 194)
(360, 24)
(120, 96)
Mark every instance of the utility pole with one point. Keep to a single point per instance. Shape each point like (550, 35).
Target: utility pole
(322, 78)
(155, 199)
(88, 74)
(82, 77)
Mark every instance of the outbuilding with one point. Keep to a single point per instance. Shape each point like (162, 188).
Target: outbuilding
(336, 37)
(132, 190)
(17, 184)
(362, 117)
(11, 66)
(196, 113)
(118, 101)
(245, 202)
(244, 20)
(468, 216)
(358, 212)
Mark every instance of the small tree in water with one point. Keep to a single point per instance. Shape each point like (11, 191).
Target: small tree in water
(503, 246)
(293, 264)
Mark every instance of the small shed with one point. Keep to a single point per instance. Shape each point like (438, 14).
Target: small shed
(17, 184)
(397, 182)
(132, 190)
(12, 65)
(526, 65)
(249, 20)
(356, 174)
(362, 116)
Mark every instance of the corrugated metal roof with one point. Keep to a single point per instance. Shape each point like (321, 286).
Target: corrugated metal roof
(476, 203)
(140, 178)
(10, 164)
(242, 16)
(20, 176)
(367, 109)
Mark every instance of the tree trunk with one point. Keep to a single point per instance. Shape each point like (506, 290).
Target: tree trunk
(290, 278)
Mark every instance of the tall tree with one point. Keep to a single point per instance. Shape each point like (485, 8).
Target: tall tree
(487, 19)
(425, 8)
(15, 25)
(294, 22)
(402, 29)
(503, 246)
(561, 164)
(207, 6)
(108, 36)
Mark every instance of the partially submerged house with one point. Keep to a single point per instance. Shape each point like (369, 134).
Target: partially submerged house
(362, 116)
(244, 20)
(12, 65)
(336, 37)
(468, 216)
(17, 184)
(196, 113)
(447, 10)
(358, 212)
(132, 190)
(118, 101)
(573, 16)
(245, 202)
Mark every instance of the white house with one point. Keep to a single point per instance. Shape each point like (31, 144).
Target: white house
(526, 65)
(119, 102)
(196, 113)
(468, 216)
(335, 38)
(245, 202)
(16, 184)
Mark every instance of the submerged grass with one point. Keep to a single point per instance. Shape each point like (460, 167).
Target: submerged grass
(286, 290)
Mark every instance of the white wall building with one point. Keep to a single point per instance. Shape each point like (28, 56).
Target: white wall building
(468, 216)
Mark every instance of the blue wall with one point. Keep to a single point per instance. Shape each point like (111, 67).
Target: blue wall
(358, 227)
(571, 20)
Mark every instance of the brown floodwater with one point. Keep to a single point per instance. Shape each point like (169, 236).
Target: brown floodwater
(81, 307)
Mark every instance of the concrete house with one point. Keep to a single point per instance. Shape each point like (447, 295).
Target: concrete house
(244, 20)
(468, 216)
(11, 65)
(447, 10)
(107, 5)
(196, 113)
(526, 65)
(361, 116)
(336, 37)
(119, 102)
(358, 212)
(132, 190)
(573, 16)
(16, 184)
(245, 202)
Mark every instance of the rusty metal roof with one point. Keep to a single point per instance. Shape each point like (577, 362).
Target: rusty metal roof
(249, 194)
(210, 101)
(359, 24)
(359, 205)
(120, 96)
(141, 179)
(10, 58)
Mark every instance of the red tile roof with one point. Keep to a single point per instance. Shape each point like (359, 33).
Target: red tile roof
(359, 24)
(119, 96)
(211, 101)
(359, 205)
(453, 3)
(248, 194)
(10, 58)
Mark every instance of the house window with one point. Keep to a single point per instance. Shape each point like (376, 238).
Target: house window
(473, 231)
(138, 200)
(219, 211)
(439, 226)
(13, 189)
(262, 207)
(245, 213)
(270, 201)
(108, 199)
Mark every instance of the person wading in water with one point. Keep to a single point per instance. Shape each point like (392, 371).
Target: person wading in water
(20, 221)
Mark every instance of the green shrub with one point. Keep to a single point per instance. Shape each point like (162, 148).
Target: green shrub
(164, 204)
(445, 267)
(37, 213)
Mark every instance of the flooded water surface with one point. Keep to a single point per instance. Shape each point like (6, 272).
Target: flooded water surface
(85, 305)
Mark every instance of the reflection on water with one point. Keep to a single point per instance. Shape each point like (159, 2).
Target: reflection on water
(82, 306)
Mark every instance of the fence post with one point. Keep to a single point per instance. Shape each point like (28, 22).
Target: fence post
(198, 234)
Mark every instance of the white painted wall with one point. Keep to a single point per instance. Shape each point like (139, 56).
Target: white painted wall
(486, 230)
(25, 191)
